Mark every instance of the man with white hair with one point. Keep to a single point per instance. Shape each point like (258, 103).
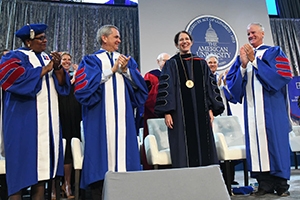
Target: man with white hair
(161, 59)
(259, 78)
(213, 63)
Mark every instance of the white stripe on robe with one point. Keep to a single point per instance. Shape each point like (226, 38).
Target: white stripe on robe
(43, 162)
(115, 157)
(256, 121)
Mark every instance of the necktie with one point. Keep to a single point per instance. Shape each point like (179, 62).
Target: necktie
(110, 54)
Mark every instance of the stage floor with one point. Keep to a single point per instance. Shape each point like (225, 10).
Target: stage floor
(294, 187)
(239, 177)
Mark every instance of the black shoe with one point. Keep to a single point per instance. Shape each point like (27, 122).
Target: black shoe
(261, 192)
(234, 183)
(282, 193)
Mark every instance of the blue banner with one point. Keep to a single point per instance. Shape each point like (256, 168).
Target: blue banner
(294, 92)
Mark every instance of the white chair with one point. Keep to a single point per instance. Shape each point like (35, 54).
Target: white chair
(140, 140)
(230, 144)
(295, 143)
(141, 137)
(3, 192)
(157, 143)
(64, 141)
(77, 148)
(2, 165)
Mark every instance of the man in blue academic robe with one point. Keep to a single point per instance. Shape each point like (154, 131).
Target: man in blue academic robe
(109, 86)
(260, 77)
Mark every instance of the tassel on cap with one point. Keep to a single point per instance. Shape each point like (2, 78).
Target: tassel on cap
(31, 34)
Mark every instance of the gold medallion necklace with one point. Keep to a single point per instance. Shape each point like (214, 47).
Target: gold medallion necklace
(189, 83)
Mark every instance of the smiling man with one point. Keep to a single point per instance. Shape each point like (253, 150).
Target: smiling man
(109, 86)
(259, 78)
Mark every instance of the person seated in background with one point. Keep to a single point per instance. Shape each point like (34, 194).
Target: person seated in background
(152, 79)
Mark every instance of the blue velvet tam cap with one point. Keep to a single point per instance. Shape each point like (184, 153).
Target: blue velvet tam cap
(30, 30)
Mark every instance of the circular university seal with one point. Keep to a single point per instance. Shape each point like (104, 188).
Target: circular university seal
(213, 35)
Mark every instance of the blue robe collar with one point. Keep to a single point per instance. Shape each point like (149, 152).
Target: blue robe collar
(262, 47)
(102, 50)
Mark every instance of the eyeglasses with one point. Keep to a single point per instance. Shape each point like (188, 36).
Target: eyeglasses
(42, 38)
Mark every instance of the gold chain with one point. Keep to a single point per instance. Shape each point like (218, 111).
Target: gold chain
(189, 83)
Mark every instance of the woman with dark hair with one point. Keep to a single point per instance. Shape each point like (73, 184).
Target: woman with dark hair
(70, 117)
(188, 98)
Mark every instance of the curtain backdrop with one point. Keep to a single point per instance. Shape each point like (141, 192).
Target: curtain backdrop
(72, 27)
(286, 34)
(288, 8)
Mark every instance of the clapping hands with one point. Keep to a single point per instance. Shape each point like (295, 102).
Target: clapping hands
(121, 64)
(246, 55)
(56, 59)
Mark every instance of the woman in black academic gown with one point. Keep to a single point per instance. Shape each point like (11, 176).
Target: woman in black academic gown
(188, 98)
